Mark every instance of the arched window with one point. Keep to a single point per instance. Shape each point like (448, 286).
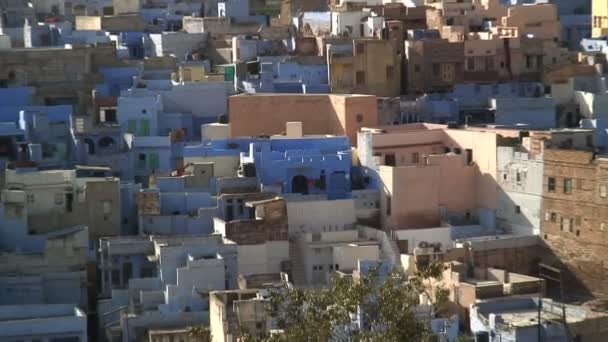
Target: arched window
(299, 185)
(106, 143)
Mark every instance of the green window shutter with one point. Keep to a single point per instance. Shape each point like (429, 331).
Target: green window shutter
(153, 161)
(132, 126)
(144, 127)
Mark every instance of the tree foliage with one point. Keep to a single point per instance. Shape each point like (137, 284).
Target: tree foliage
(387, 307)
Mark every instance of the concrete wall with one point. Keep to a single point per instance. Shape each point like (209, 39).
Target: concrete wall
(47, 288)
(535, 112)
(429, 235)
(262, 258)
(346, 24)
(50, 321)
(178, 44)
(252, 115)
(126, 6)
(520, 196)
(592, 106)
(316, 216)
(347, 257)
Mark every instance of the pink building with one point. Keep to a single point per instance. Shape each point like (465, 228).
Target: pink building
(430, 175)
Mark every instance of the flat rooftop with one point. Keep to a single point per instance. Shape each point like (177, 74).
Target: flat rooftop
(11, 313)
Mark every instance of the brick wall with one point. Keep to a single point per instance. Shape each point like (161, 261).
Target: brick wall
(252, 232)
(575, 223)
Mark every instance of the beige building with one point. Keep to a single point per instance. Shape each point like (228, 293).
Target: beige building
(237, 311)
(114, 23)
(316, 256)
(58, 74)
(430, 174)
(467, 286)
(53, 200)
(267, 114)
(599, 12)
(372, 67)
(433, 65)
(126, 6)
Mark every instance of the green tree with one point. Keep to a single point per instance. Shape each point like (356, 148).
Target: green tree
(200, 333)
(388, 305)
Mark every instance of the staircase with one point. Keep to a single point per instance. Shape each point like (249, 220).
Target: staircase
(298, 276)
(395, 249)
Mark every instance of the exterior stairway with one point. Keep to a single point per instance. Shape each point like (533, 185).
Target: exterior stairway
(395, 249)
(298, 276)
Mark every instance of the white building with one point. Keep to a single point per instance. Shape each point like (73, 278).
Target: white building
(319, 254)
(187, 268)
(347, 24)
(520, 176)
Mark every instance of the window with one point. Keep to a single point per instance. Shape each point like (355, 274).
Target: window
(240, 206)
(539, 62)
(568, 186)
(132, 126)
(153, 161)
(529, 62)
(489, 63)
(436, 69)
(389, 159)
(360, 77)
(359, 48)
(359, 118)
(551, 184)
(115, 277)
(390, 73)
(415, 158)
(470, 63)
(127, 271)
(571, 225)
(561, 223)
(518, 177)
(147, 272)
(144, 128)
(388, 205)
(141, 160)
(553, 217)
(107, 115)
(603, 191)
(517, 209)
